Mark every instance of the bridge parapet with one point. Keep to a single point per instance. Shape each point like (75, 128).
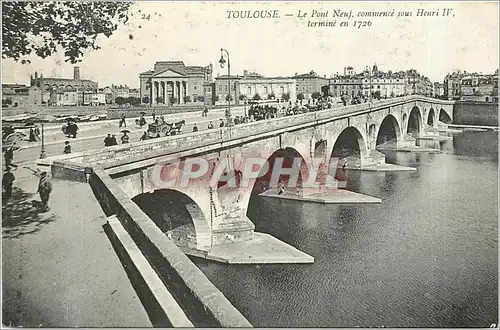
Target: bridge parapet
(184, 142)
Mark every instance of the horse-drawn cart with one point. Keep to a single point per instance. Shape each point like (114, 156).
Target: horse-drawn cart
(159, 129)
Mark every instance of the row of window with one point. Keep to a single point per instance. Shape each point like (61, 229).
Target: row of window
(366, 80)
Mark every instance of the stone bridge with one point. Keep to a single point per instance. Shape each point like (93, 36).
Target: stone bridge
(218, 211)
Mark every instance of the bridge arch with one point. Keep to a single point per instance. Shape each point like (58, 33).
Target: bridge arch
(177, 215)
(349, 143)
(389, 131)
(431, 118)
(414, 122)
(444, 117)
(289, 159)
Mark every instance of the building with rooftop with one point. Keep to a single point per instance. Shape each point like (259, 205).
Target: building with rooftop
(172, 82)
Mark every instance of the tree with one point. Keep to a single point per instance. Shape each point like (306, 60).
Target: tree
(43, 28)
(187, 99)
(159, 99)
(300, 96)
(229, 97)
(200, 98)
(271, 96)
(6, 102)
(120, 100)
(317, 95)
(242, 97)
(173, 100)
(286, 97)
(145, 99)
(256, 97)
(135, 100)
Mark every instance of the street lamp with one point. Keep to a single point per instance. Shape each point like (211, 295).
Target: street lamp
(42, 151)
(222, 62)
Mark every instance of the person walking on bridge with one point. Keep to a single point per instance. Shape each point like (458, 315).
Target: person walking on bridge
(9, 157)
(67, 148)
(44, 189)
(122, 120)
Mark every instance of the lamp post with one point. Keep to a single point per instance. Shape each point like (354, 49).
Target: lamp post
(42, 151)
(222, 62)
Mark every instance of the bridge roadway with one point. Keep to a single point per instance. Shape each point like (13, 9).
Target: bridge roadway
(91, 135)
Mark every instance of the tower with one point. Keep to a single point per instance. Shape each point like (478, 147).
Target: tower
(76, 73)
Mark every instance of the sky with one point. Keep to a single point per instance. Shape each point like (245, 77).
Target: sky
(194, 32)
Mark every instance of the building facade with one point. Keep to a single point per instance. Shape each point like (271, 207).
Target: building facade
(252, 86)
(52, 89)
(61, 84)
(383, 84)
(460, 85)
(14, 95)
(172, 82)
(438, 89)
(309, 83)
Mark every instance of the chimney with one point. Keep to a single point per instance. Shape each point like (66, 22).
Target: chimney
(245, 73)
(76, 73)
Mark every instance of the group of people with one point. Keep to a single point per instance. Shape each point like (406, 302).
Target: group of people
(110, 140)
(8, 178)
(70, 129)
(44, 187)
(260, 112)
(34, 135)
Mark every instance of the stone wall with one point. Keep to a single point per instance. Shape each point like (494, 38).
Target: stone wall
(475, 113)
(204, 304)
(68, 171)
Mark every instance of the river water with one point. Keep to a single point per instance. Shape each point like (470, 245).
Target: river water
(425, 257)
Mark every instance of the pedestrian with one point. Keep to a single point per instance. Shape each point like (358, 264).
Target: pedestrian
(221, 124)
(122, 120)
(113, 140)
(108, 141)
(67, 148)
(154, 116)
(195, 128)
(32, 135)
(37, 133)
(9, 157)
(144, 136)
(142, 121)
(205, 112)
(44, 189)
(125, 138)
(210, 125)
(7, 182)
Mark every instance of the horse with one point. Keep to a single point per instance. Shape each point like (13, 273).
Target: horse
(175, 128)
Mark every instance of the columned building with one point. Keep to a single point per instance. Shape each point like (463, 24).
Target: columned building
(172, 82)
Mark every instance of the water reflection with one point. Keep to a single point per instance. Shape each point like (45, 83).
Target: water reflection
(425, 257)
